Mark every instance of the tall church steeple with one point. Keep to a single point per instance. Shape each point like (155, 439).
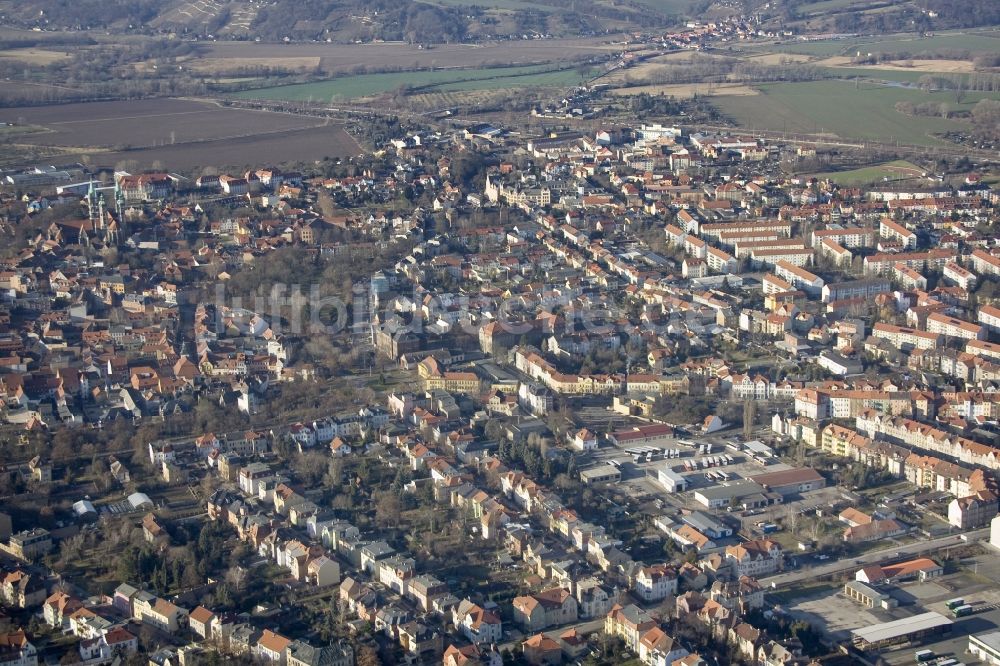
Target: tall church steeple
(92, 204)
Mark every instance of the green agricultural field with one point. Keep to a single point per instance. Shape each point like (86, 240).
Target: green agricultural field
(554, 79)
(351, 87)
(897, 170)
(839, 107)
(819, 47)
(969, 41)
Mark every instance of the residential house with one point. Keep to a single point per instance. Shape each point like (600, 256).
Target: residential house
(476, 623)
(540, 650)
(655, 583)
(272, 647)
(553, 607)
(630, 623)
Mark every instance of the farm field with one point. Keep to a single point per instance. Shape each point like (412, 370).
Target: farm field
(351, 87)
(974, 41)
(180, 134)
(865, 113)
(495, 4)
(435, 101)
(35, 56)
(337, 58)
(923, 66)
(303, 145)
(898, 76)
(680, 7)
(896, 170)
(556, 78)
(687, 90)
(148, 123)
(828, 5)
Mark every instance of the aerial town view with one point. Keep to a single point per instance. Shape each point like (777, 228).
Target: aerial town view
(500, 332)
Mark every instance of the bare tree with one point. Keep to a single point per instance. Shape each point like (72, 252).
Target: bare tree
(236, 576)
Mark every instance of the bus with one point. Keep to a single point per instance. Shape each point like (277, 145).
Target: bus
(955, 603)
(924, 655)
(962, 611)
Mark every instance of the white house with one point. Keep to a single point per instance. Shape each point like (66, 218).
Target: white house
(656, 582)
(585, 440)
(712, 424)
(476, 623)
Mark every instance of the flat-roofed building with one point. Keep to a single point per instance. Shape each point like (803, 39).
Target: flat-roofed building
(602, 474)
(790, 481)
(671, 480)
(741, 493)
(906, 630)
(986, 647)
(868, 596)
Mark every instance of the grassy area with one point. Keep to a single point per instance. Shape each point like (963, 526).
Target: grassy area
(801, 592)
(351, 87)
(14, 131)
(557, 78)
(896, 170)
(493, 4)
(681, 7)
(827, 5)
(899, 76)
(819, 47)
(970, 41)
(845, 110)
(959, 40)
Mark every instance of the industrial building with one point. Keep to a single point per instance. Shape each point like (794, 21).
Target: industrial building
(868, 596)
(790, 481)
(906, 630)
(602, 474)
(671, 480)
(986, 647)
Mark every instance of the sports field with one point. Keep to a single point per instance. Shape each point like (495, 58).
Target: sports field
(889, 171)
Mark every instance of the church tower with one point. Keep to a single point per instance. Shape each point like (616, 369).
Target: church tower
(92, 204)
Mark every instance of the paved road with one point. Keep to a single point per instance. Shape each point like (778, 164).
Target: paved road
(845, 564)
